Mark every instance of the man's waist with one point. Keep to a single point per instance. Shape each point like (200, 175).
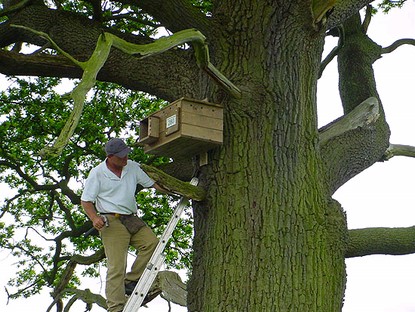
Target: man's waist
(117, 214)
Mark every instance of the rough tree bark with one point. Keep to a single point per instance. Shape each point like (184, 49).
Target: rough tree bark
(268, 208)
(268, 235)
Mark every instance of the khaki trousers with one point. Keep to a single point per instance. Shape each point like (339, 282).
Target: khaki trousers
(116, 240)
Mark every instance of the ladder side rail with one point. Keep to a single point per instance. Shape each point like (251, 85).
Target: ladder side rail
(146, 281)
(169, 228)
(156, 261)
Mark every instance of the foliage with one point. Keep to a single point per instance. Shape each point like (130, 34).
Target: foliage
(120, 17)
(43, 224)
(387, 5)
(269, 222)
(204, 6)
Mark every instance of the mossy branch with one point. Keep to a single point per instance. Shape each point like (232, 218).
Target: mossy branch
(70, 268)
(193, 36)
(87, 296)
(46, 36)
(384, 241)
(99, 57)
(333, 53)
(91, 69)
(13, 8)
(320, 9)
(174, 185)
(399, 150)
(397, 44)
(364, 114)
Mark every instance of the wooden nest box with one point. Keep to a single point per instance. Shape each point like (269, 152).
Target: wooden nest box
(185, 128)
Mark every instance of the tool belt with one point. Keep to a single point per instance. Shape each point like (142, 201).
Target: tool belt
(132, 223)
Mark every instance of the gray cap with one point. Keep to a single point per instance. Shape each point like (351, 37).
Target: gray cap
(117, 147)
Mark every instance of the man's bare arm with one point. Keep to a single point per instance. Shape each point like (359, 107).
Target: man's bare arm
(92, 214)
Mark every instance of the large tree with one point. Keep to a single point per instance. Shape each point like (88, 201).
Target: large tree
(268, 236)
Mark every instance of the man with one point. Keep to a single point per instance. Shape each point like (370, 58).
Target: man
(109, 195)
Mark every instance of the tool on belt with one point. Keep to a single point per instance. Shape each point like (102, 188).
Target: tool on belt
(94, 231)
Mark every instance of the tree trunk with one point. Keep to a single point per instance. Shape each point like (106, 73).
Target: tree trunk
(268, 238)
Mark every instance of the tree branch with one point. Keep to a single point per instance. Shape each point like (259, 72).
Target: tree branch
(352, 143)
(28, 178)
(399, 150)
(343, 9)
(333, 53)
(175, 15)
(397, 44)
(182, 169)
(60, 288)
(148, 75)
(170, 286)
(87, 296)
(173, 289)
(320, 9)
(12, 8)
(386, 241)
(167, 283)
(43, 65)
(174, 185)
(93, 65)
(367, 19)
(364, 114)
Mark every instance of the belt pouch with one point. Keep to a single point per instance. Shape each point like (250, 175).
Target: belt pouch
(132, 223)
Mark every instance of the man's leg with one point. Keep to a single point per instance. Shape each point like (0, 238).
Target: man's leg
(116, 240)
(144, 241)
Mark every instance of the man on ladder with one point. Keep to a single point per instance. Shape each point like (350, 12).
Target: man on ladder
(109, 201)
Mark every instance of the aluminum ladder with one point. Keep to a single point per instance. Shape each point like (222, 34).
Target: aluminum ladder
(157, 259)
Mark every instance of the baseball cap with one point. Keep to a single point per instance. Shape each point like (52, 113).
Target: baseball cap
(117, 147)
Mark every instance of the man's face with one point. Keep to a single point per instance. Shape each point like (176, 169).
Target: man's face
(118, 161)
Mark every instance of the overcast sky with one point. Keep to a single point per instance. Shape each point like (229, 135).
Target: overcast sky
(381, 196)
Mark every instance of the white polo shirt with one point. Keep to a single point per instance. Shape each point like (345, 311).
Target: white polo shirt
(111, 193)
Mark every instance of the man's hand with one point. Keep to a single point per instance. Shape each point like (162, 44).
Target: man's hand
(162, 189)
(98, 222)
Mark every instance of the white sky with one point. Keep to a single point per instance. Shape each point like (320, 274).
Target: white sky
(380, 196)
